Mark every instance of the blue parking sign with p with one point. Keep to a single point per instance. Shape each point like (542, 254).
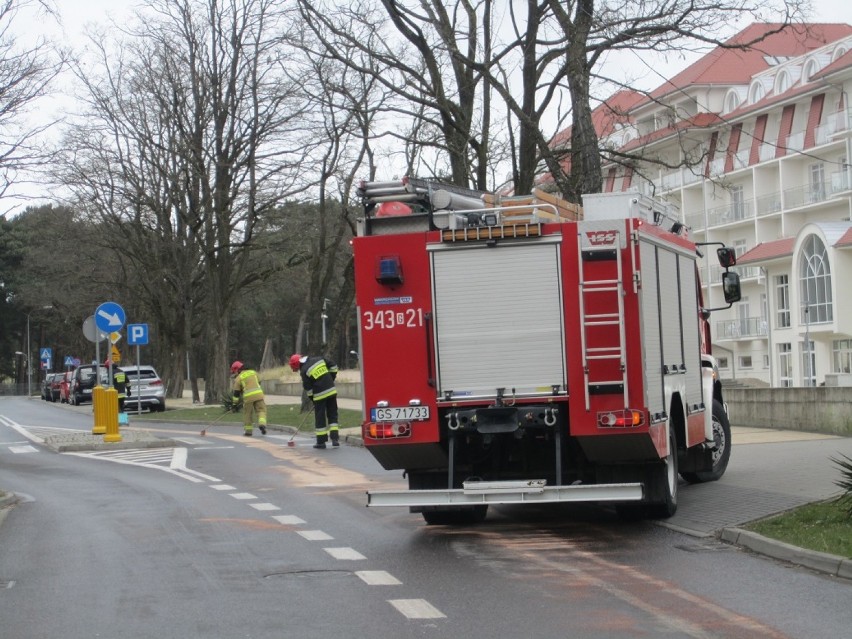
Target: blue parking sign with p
(137, 334)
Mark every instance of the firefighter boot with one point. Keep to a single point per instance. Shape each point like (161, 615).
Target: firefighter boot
(321, 440)
(335, 438)
(263, 429)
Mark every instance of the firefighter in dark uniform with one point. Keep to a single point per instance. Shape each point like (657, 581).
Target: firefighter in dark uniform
(318, 376)
(119, 383)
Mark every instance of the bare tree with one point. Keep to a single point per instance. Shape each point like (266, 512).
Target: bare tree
(26, 72)
(193, 134)
(425, 64)
(346, 103)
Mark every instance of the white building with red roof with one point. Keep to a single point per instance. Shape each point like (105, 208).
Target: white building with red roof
(762, 142)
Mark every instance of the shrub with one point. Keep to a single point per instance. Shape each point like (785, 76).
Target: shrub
(845, 483)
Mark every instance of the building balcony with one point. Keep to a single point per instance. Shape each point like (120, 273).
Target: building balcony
(729, 213)
(809, 194)
(746, 273)
(741, 328)
(838, 185)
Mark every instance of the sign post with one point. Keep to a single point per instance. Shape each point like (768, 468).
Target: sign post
(137, 335)
(109, 318)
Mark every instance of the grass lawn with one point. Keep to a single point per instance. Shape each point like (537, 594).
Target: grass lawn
(276, 414)
(823, 526)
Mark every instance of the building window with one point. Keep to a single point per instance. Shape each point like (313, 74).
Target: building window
(782, 301)
(815, 283)
(816, 191)
(732, 101)
(808, 363)
(756, 92)
(745, 361)
(722, 362)
(782, 82)
(841, 356)
(811, 67)
(785, 365)
(738, 211)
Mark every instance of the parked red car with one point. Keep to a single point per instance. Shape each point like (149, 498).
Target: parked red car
(65, 387)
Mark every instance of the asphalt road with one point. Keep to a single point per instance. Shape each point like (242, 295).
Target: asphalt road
(225, 536)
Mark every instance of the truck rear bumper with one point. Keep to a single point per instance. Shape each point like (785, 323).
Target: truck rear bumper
(510, 492)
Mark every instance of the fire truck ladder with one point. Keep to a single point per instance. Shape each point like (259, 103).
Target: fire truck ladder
(602, 260)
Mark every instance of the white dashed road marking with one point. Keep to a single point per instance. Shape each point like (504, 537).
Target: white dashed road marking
(349, 554)
(377, 578)
(315, 535)
(23, 449)
(289, 520)
(222, 487)
(416, 608)
(243, 496)
(264, 506)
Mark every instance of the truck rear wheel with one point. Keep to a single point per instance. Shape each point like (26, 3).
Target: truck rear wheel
(722, 453)
(665, 478)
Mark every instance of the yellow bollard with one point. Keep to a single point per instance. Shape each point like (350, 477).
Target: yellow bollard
(98, 399)
(111, 417)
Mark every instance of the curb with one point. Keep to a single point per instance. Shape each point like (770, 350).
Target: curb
(833, 565)
(7, 500)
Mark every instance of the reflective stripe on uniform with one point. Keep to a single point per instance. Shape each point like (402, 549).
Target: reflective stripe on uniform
(250, 384)
(325, 394)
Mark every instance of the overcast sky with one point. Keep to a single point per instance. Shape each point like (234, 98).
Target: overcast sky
(77, 14)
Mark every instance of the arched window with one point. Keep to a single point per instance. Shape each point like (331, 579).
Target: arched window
(782, 82)
(756, 92)
(811, 67)
(815, 283)
(732, 101)
(839, 52)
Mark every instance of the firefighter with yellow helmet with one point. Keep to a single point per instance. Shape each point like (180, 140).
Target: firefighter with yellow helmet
(247, 387)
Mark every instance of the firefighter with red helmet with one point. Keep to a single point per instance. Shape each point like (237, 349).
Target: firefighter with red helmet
(247, 387)
(318, 375)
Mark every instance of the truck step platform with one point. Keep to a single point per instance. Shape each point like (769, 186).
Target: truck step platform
(510, 492)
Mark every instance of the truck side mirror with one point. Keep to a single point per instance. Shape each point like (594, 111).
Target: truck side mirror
(731, 286)
(727, 256)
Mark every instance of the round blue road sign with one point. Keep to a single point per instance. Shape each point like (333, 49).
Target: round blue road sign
(109, 317)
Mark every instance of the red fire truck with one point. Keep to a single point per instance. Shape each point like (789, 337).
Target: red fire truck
(514, 355)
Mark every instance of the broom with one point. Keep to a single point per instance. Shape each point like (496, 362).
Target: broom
(204, 432)
(290, 441)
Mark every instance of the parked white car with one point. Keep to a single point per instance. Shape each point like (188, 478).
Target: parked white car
(146, 388)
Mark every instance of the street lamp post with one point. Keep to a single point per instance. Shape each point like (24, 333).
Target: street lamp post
(23, 356)
(29, 368)
(324, 317)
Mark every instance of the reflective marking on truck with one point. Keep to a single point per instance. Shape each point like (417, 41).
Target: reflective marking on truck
(389, 319)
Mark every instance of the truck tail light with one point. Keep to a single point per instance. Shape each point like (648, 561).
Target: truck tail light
(386, 430)
(627, 418)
